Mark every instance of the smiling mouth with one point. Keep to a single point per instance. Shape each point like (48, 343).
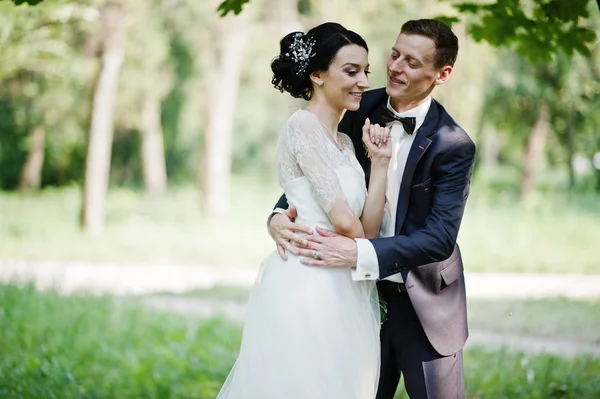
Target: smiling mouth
(397, 81)
(356, 93)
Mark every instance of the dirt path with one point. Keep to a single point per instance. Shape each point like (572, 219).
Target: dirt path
(144, 278)
(534, 344)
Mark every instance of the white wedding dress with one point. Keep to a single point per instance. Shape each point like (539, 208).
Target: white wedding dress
(310, 332)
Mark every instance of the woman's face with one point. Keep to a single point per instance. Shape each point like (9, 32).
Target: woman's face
(347, 78)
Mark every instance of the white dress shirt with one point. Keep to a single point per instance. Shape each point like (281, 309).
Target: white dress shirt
(367, 267)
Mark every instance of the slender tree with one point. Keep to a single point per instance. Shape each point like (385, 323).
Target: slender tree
(97, 169)
(223, 61)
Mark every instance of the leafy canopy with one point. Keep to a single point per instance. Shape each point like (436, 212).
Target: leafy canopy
(30, 2)
(537, 29)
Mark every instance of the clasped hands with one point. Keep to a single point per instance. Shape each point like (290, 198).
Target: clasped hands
(325, 247)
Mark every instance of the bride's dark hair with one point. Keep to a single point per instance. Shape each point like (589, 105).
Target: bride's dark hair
(292, 74)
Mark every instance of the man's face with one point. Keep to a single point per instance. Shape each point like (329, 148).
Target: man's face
(411, 73)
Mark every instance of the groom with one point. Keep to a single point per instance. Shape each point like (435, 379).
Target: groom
(417, 262)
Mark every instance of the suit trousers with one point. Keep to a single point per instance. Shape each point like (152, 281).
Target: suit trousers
(406, 350)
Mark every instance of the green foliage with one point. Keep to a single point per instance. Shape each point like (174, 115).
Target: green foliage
(43, 83)
(568, 86)
(48, 65)
(85, 347)
(178, 152)
(12, 154)
(228, 6)
(47, 69)
(30, 2)
(537, 30)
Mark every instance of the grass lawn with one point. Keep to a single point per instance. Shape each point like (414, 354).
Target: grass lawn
(86, 347)
(547, 234)
(168, 229)
(556, 317)
(508, 375)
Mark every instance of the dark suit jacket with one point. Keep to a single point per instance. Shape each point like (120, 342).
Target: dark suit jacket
(431, 202)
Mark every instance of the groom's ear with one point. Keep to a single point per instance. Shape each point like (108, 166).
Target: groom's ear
(443, 75)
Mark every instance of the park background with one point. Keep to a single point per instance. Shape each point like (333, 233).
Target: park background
(140, 135)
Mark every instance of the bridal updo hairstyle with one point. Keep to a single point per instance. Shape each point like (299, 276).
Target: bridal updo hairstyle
(291, 75)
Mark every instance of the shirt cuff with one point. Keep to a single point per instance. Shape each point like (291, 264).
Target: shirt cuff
(367, 265)
(275, 212)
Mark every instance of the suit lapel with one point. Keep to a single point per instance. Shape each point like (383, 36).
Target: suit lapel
(418, 148)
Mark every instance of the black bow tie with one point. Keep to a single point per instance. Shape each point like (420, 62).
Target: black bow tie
(409, 123)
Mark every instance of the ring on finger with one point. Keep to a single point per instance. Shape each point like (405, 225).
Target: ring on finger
(316, 255)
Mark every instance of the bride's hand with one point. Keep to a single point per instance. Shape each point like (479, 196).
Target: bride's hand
(377, 141)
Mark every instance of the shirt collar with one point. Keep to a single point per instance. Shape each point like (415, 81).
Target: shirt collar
(419, 112)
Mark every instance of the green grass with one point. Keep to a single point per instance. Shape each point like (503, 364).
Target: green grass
(87, 347)
(547, 234)
(556, 317)
(168, 229)
(84, 347)
(491, 375)
(507, 375)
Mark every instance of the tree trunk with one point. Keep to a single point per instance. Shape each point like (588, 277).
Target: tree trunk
(101, 129)
(223, 74)
(153, 153)
(534, 151)
(31, 174)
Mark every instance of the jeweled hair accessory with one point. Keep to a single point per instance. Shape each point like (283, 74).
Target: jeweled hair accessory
(300, 52)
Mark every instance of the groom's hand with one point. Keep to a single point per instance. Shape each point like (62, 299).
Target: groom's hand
(286, 233)
(333, 250)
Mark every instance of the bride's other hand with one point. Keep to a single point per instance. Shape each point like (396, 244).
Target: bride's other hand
(377, 141)
(286, 233)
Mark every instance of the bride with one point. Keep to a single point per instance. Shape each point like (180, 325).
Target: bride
(313, 333)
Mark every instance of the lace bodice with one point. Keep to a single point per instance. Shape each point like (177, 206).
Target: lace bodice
(305, 149)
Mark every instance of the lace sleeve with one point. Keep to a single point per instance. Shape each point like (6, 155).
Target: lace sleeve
(346, 141)
(316, 158)
(349, 146)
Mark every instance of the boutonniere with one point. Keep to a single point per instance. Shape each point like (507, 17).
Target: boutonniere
(382, 309)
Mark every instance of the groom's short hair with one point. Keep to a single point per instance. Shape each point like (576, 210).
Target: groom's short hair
(446, 42)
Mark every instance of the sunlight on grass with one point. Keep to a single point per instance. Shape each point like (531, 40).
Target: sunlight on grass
(168, 229)
(547, 234)
(544, 235)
